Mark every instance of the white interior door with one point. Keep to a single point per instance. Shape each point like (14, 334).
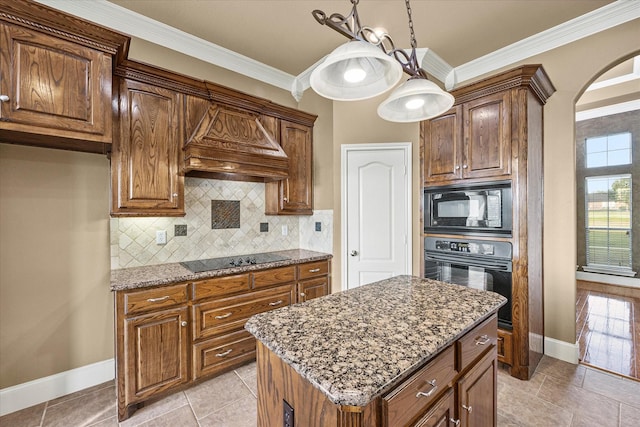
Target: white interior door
(376, 212)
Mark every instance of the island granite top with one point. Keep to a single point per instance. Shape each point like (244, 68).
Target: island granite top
(357, 344)
(166, 274)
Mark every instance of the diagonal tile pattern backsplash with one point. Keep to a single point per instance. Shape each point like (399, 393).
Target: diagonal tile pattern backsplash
(133, 240)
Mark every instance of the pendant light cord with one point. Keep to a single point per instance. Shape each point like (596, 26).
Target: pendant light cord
(414, 44)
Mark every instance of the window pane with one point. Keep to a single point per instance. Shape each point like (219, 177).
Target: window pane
(610, 150)
(608, 221)
(621, 141)
(596, 160)
(596, 144)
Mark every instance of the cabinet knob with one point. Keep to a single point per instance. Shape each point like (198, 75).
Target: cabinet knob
(464, 166)
(457, 167)
(4, 98)
(286, 199)
(454, 422)
(175, 194)
(467, 408)
(183, 323)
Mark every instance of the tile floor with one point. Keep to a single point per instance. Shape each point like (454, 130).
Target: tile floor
(559, 394)
(608, 327)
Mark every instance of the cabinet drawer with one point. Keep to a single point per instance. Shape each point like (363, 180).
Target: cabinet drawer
(227, 314)
(220, 286)
(413, 396)
(441, 413)
(221, 353)
(313, 269)
(505, 347)
(274, 276)
(152, 299)
(476, 342)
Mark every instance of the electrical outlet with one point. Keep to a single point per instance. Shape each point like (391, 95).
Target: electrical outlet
(285, 230)
(287, 414)
(161, 237)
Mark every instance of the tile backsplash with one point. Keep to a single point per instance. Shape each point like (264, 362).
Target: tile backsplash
(133, 240)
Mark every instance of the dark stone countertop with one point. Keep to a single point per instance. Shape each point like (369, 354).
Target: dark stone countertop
(357, 344)
(166, 274)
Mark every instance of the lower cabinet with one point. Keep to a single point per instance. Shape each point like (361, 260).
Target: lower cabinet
(477, 393)
(441, 414)
(171, 336)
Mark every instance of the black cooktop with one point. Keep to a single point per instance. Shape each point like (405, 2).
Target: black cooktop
(201, 265)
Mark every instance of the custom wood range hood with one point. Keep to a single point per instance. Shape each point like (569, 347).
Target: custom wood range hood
(237, 144)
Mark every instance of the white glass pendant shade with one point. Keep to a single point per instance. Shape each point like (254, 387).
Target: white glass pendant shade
(355, 70)
(415, 100)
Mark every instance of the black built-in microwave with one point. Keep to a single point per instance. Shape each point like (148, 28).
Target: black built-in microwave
(484, 208)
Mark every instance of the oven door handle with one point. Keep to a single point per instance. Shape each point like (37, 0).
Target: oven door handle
(497, 265)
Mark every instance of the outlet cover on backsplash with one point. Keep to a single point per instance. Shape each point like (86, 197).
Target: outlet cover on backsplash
(133, 239)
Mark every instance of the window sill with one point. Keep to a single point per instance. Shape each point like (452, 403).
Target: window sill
(627, 272)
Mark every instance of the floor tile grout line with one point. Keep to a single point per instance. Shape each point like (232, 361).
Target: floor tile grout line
(44, 411)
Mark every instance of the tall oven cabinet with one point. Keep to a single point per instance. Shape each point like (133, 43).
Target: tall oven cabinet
(494, 132)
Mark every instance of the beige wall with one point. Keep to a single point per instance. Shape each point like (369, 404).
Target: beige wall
(55, 304)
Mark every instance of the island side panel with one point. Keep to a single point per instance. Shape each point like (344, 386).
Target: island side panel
(278, 382)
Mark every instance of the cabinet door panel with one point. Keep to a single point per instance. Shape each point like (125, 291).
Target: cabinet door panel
(313, 288)
(441, 414)
(55, 87)
(145, 158)
(156, 352)
(487, 137)
(442, 147)
(477, 393)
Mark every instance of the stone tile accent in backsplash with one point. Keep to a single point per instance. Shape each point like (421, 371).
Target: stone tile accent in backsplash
(133, 239)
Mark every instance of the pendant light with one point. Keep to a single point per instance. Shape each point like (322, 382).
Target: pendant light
(370, 64)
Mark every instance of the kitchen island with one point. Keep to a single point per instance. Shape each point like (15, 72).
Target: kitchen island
(389, 353)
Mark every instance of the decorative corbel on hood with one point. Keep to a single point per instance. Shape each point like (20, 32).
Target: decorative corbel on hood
(234, 143)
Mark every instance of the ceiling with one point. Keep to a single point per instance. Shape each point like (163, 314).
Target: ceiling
(279, 42)
(284, 34)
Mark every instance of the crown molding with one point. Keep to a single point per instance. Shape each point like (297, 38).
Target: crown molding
(601, 19)
(118, 18)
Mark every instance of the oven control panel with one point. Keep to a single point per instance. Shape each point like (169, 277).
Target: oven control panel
(489, 248)
(468, 247)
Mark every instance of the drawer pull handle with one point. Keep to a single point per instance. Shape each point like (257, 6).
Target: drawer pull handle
(467, 408)
(455, 422)
(224, 316)
(482, 340)
(224, 353)
(434, 387)
(166, 297)
(273, 304)
(314, 270)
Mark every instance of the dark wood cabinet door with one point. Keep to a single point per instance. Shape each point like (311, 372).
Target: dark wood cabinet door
(156, 352)
(441, 414)
(477, 393)
(144, 163)
(294, 195)
(313, 288)
(487, 137)
(443, 147)
(53, 88)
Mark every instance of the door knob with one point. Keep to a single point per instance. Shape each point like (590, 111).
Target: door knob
(354, 252)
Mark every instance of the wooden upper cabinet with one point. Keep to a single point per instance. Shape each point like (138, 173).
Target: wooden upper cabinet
(487, 137)
(443, 146)
(144, 161)
(293, 195)
(472, 140)
(56, 93)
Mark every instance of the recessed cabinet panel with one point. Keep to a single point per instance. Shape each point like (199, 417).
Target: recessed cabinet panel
(442, 145)
(54, 87)
(144, 162)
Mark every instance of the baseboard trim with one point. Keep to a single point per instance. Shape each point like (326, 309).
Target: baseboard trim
(44, 389)
(561, 350)
(608, 279)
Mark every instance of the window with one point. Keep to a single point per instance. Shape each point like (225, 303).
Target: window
(610, 150)
(608, 221)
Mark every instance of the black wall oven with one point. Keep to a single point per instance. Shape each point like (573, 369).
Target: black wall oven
(477, 264)
(472, 208)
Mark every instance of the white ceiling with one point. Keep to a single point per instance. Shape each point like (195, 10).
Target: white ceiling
(279, 41)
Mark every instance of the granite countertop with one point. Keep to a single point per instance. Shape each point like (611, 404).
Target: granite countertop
(166, 274)
(358, 344)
